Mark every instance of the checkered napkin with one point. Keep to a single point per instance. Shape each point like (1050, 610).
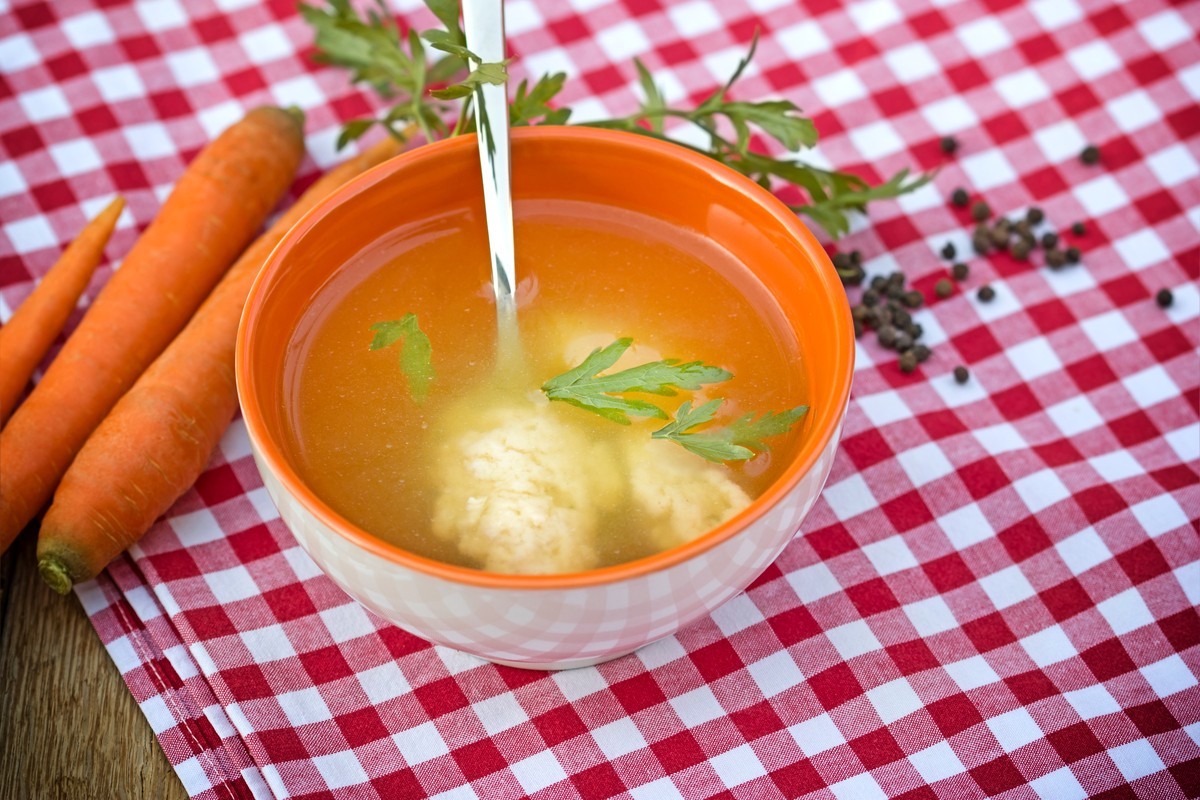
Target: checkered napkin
(995, 597)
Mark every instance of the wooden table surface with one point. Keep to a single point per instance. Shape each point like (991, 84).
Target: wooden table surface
(68, 726)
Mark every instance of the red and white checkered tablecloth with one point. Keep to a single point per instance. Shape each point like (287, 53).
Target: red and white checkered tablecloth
(997, 594)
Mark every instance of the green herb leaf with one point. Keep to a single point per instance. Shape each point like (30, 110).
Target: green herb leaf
(749, 431)
(584, 387)
(708, 446)
(416, 352)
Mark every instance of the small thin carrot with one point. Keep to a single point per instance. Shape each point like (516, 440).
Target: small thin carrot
(216, 207)
(159, 437)
(39, 320)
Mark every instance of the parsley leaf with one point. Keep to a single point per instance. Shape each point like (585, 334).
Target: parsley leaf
(584, 387)
(739, 441)
(416, 352)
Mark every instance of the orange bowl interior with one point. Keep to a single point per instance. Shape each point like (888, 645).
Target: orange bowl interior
(624, 170)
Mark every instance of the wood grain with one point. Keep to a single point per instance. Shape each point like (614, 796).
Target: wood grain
(69, 728)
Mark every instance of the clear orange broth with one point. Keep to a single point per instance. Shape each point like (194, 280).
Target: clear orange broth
(361, 442)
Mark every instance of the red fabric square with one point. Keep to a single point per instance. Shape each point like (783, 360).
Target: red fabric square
(908, 511)
(362, 726)
(441, 697)
(1066, 599)
(282, 744)
(1029, 687)
(638, 693)
(598, 782)
(1143, 562)
(831, 541)
(559, 724)
(1091, 373)
(1025, 539)
(954, 714)
(398, 784)
(835, 686)
(1182, 629)
(989, 632)
(1099, 502)
(246, 683)
(794, 625)
(1108, 659)
(401, 643)
(210, 623)
(872, 597)
(983, 477)
(218, 484)
(1152, 718)
(797, 779)
(913, 656)
(948, 572)
(478, 759)
(289, 602)
(717, 660)
(867, 448)
(678, 752)
(1187, 775)
(997, 776)
(1075, 742)
(876, 748)
(253, 543)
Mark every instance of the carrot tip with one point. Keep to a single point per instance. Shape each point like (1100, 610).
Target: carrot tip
(55, 574)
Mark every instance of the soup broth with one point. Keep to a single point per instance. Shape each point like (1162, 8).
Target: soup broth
(485, 444)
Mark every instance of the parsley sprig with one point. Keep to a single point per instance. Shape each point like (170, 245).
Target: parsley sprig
(416, 352)
(738, 441)
(424, 92)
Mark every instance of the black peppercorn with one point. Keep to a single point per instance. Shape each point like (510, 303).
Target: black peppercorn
(943, 288)
(908, 361)
(870, 298)
(960, 271)
(860, 312)
(858, 328)
(1035, 216)
(960, 197)
(900, 317)
(1055, 258)
(999, 238)
(1164, 298)
(914, 299)
(949, 251)
(841, 261)
(1078, 229)
(1020, 250)
(887, 336)
(856, 258)
(948, 144)
(1073, 255)
(914, 330)
(1090, 154)
(961, 375)
(980, 211)
(902, 341)
(922, 353)
(986, 294)
(878, 282)
(1049, 240)
(896, 279)
(1022, 228)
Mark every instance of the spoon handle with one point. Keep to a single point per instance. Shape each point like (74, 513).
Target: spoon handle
(483, 23)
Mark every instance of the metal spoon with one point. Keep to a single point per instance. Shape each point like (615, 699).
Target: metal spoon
(483, 23)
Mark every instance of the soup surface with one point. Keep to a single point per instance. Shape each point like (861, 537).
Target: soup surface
(485, 472)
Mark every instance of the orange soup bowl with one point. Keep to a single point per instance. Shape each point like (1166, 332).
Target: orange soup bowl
(565, 620)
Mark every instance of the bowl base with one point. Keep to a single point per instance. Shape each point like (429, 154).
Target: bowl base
(554, 666)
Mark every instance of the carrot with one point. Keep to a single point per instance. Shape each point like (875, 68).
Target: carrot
(216, 207)
(40, 319)
(159, 437)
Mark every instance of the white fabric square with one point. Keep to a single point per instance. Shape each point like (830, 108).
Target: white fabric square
(1002, 305)
(925, 464)
(884, 408)
(159, 15)
(1060, 141)
(196, 527)
(215, 119)
(971, 673)
(538, 771)
(1041, 490)
(42, 104)
(1000, 438)
(1173, 165)
(499, 713)
(1137, 759)
(965, 526)
(877, 140)
(874, 15)
(1093, 59)
(1007, 587)
(265, 44)
(911, 63)
(1066, 282)
(664, 651)
(123, 655)
(1101, 195)
(1133, 111)
(30, 234)
(697, 706)
(1023, 88)
(1187, 295)
(149, 140)
(383, 683)
(722, 63)
(860, 787)
(346, 622)
(1059, 785)
(304, 706)
(302, 91)
(1165, 30)
(1110, 329)
(812, 583)
(192, 775)
(301, 564)
(839, 87)
(1014, 729)
(623, 41)
(1074, 416)
(1092, 701)
(923, 198)
(1083, 550)
(1034, 358)
(663, 788)
(984, 36)
(930, 616)
(736, 614)
(420, 744)
(1189, 580)
(618, 738)
(1141, 249)
(1049, 646)
(894, 700)
(988, 170)
(82, 30)
(936, 762)
(231, 585)
(694, 18)
(75, 157)
(890, 555)
(264, 507)
(118, 83)
(776, 673)
(340, 769)
(853, 639)
(11, 182)
(1169, 676)
(1151, 386)
(804, 39)
(1185, 442)
(1117, 465)
(849, 497)
(577, 683)
(737, 766)
(1054, 14)
(522, 16)
(1126, 611)
(816, 735)
(268, 644)
(956, 395)
(235, 442)
(950, 115)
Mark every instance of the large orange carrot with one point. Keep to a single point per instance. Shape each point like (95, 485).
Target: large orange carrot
(39, 320)
(159, 436)
(216, 207)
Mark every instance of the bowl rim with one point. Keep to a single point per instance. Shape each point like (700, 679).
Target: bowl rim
(271, 453)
